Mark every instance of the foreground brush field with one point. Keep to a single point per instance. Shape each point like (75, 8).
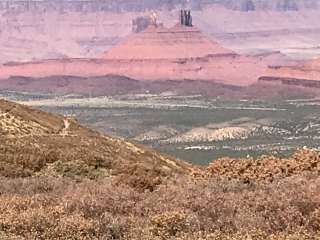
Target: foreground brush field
(215, 204)
(60, 180)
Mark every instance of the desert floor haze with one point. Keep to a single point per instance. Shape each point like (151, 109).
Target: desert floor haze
(160, 120)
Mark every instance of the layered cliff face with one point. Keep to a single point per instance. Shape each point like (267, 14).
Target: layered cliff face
(306, 74)
(181, 52)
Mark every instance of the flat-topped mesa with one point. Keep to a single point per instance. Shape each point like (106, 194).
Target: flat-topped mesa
(305, 74)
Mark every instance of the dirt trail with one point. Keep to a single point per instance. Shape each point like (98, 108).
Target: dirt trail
(64, 131)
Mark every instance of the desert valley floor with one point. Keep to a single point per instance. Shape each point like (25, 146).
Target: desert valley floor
(193, 128)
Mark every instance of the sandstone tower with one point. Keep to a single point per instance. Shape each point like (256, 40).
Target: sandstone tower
(186, 18)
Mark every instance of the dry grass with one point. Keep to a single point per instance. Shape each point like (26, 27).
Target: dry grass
(83, 185)
(36, 143)
(265, 168)
(182, 208)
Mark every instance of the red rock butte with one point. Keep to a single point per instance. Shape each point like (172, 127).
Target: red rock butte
(158, 42)
(157, 53)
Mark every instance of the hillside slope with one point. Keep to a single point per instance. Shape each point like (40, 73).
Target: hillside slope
(37, 143)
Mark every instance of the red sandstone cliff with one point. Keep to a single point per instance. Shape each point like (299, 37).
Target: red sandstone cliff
(157, 53)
